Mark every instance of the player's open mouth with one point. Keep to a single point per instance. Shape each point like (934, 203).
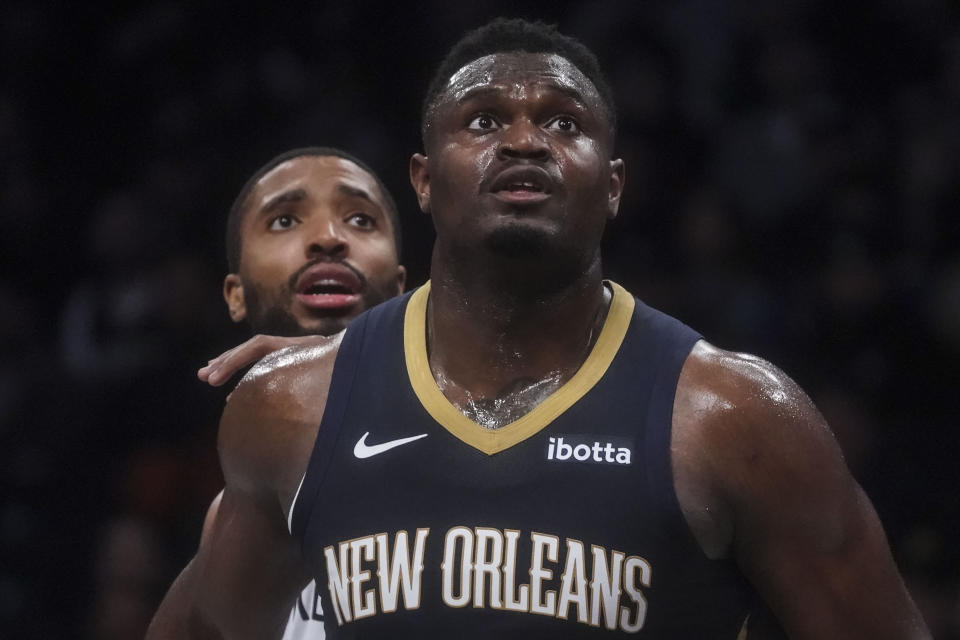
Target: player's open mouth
(522, 184)
(328, 286)
(327, 289)
(328, 296)
(515, 187)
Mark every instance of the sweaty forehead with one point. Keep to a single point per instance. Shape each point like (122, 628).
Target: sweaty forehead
(511, 71)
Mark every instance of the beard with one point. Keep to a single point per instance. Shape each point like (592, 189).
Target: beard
(518, 241)
(274, 319)
(537, 261)
(269, 312)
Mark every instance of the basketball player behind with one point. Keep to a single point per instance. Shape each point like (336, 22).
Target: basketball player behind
(520, 448)
(313, 239)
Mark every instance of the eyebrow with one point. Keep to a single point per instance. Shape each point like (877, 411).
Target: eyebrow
(356, 192)
(293, 195)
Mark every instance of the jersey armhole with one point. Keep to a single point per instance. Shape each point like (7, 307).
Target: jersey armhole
(657, 448)
(341, 382)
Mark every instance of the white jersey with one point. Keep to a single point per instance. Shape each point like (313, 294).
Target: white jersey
(306, 617)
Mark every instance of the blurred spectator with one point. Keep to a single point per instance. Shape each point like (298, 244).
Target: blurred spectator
(108, 329)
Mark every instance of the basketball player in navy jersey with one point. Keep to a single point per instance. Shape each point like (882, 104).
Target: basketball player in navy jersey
(313, 239)
(520, 448)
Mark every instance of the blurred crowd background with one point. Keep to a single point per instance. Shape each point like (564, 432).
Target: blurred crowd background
(793, 175)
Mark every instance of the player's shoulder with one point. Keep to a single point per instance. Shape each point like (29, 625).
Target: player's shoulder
(743, 412)
(740, 407)
(731, 385)
(743, 431)
(271, 417)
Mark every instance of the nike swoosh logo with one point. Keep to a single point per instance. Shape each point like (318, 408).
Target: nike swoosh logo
(363, 450)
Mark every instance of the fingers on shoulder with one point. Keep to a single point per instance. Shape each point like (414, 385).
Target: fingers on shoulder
(292, 357)
(286, 374)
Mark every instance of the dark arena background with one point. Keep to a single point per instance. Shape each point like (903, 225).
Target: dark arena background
(793, 178)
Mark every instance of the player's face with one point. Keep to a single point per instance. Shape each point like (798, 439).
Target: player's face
(317, 248)
(518, 158)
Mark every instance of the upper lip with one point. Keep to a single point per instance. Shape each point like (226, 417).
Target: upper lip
(334, 275)
(532, 176)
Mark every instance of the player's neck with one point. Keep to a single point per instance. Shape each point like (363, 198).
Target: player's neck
(512, 348)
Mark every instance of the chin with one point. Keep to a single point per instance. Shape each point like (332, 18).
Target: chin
(277, 321)
(537, 257)
(325, 326)
(519, 241)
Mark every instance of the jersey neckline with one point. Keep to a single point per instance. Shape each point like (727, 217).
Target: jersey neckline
(491, 441)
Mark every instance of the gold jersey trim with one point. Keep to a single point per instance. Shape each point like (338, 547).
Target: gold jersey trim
(491, 441)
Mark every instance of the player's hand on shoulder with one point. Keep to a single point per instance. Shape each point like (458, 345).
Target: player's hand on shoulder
(270, 422)
(220, 369)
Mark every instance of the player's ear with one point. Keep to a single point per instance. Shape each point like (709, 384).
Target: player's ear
(617, 177)
(233, 295)
(420, 179)
(401, 278)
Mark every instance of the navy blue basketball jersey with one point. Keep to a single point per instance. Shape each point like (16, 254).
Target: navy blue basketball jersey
(420, 523)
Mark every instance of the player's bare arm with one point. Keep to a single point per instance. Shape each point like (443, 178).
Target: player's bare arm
(761, 478)
(176, 602)
(248, 568)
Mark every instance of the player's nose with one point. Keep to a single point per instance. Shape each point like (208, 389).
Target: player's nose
(524, 139)
(326, 238)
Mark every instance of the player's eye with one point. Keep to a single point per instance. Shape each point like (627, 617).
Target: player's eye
(483, 122)
(361, 220)
(282, 222)
(564, 123)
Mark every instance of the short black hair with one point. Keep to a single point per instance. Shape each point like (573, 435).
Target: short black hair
(508, 35)
(235, 217)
